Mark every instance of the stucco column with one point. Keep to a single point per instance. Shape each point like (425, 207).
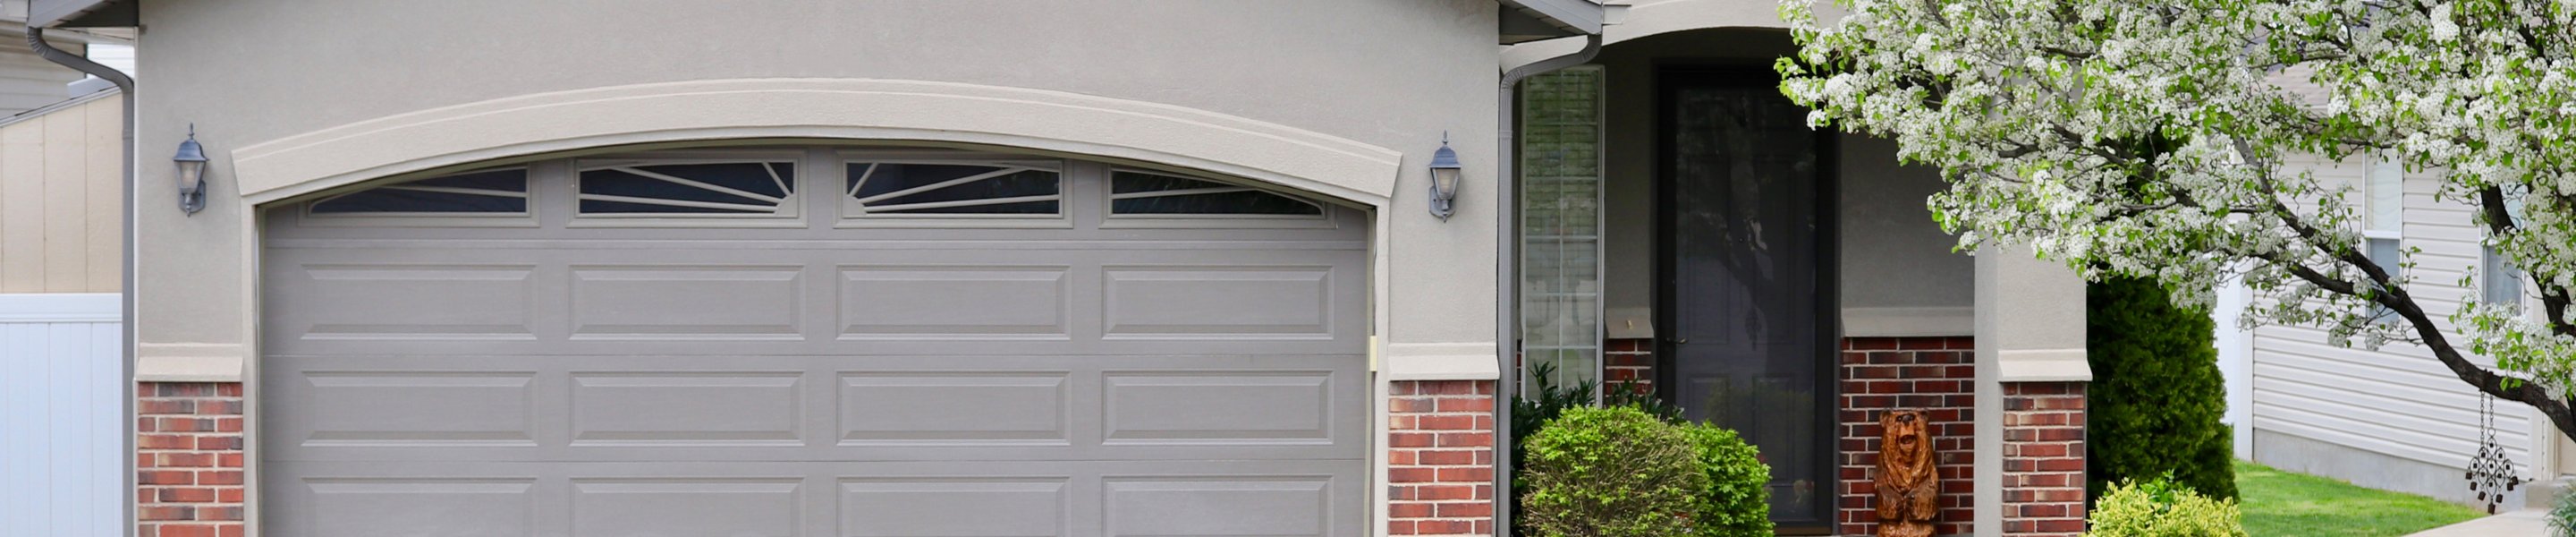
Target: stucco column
(2030, 384)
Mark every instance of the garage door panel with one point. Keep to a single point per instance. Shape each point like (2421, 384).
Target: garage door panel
(395, 409)
(407, 506)
(836, 408)
(744, 409)
(1217, 302)
(731, 506)
(1198, 376)
(493, 301)
(956, 408)
(1007, 498)
(1248, 506)
(1219, 407)
(924, 506)
(958, 301)
(675, 302)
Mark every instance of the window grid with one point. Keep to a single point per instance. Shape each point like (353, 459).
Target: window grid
(1560, 224)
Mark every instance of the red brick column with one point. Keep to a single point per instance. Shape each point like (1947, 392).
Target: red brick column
(188, 459)
(1629, 360)
(1933, 374)
(2043, 458)
(1440, 457)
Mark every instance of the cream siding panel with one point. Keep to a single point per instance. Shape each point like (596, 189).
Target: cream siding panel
(106, 215)
(2397, 400)
(60, 229)
(66, 199)
(28, 82)
(22, 207)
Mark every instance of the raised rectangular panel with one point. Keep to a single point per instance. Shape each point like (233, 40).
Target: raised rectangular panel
(958, 507)
(459, 507)
(727, 507)
(1249, 407)
(685, 302)
(688, 408)
(958, 408)
(1217, 302)
(415, 301)
(1248, 506)
(907, 302)
(393, 409)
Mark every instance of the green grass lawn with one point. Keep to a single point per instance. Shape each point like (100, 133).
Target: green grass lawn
(2283, 503)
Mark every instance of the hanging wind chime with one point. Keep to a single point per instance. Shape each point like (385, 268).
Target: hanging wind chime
(2491, 473)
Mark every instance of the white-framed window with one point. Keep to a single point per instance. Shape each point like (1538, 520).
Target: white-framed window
(1560, 247)
(485, 197)
(914, 188)
(502, 192)
(686, 188)
(2384, 219)
(1165, 195)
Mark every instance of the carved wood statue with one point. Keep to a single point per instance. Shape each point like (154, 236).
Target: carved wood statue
(1909, 489)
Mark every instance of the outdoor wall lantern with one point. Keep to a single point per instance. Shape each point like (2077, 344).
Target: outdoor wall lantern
(1444, 180)
(192, 174)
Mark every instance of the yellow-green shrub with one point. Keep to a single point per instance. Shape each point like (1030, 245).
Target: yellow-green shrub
(2160, 508)
(1611, 472)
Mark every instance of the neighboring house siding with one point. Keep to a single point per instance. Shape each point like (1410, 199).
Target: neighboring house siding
(2397, 401)
(59, 228)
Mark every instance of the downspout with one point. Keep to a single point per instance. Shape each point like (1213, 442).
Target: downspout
(124, 84)
(1506, 273)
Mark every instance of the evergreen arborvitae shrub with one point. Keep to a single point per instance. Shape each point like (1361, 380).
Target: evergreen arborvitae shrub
(2157, 395)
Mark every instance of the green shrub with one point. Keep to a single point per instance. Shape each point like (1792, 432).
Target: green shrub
(1738, 501)
(2562, 515)
(2161, 508)
(2157, 395)
(1611, 472)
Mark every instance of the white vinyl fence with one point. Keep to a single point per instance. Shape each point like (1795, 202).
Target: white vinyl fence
(62, 430)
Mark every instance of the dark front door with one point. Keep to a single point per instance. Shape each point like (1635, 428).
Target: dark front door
(1744, 273)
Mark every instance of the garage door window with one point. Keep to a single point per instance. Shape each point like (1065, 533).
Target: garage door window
(688, 188)
(502, 192)
(1143, 193)
(954, 189)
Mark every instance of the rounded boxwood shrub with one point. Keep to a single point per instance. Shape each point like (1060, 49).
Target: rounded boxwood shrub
(1738, 501)
(2161, 508)
(1611, 472)
(1622, 471)
(2157, 395)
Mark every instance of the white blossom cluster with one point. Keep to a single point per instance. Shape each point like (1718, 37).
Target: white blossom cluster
(2163, 138)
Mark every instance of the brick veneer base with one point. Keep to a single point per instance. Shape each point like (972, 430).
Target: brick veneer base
(2043, 458)
(188, 459)
(1936, 375)
(1440, 457)
(1629, 360)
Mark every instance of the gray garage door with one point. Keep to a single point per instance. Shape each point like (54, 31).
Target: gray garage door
(813, 341)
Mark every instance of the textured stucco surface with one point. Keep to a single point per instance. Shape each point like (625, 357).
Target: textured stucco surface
(1392, 75)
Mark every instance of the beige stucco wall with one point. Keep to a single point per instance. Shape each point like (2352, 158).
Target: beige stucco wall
(1393, 75)
(1899, 276)
(60, 227)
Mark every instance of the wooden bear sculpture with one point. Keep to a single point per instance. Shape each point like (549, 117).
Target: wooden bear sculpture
(1909, 489)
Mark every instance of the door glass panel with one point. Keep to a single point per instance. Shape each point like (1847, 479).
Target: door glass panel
(1744, 245)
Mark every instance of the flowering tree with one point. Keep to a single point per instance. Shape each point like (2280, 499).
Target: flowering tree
(2163, 139)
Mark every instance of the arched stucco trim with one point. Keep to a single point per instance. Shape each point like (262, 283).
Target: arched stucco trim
(1650, 18)
(902, 110)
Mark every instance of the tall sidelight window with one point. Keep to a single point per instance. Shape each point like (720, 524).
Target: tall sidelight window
(1560, 228)
(2384, 217)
